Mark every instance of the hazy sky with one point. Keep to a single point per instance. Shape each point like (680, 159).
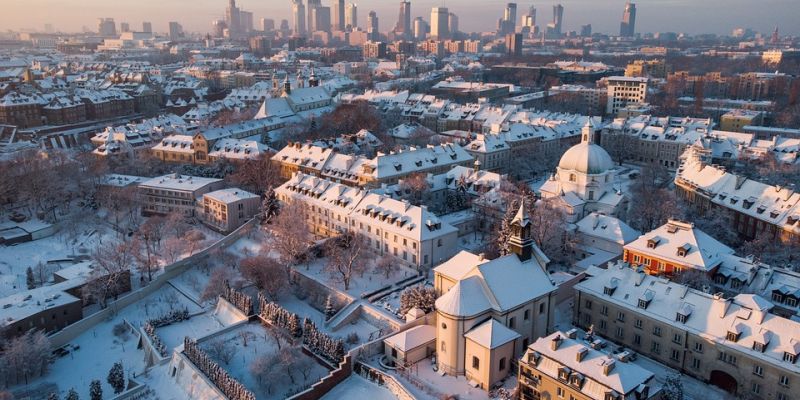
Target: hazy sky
(690, 16)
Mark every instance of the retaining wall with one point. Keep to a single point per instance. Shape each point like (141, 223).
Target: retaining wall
(72, 331)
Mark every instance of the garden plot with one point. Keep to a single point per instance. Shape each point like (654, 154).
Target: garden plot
(92, 354)
(360, 327)
(264, 361)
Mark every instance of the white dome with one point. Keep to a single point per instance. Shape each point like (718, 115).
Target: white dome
(587, 158)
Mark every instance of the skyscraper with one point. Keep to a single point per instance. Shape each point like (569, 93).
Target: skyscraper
(558, 18)
(509, 21)
(514, 44)
(245, 21)
(175, 31)
(147, 27)
(232, 18)
(440, 23)
(124, 27)
(404, 19)
(338, 15)
(372, 26)
(351, 15)
(312, 4)
(529, 22)
(299, 17)
(267, 24)
(452, 24)
(421, 28)
(322, 19)
(627, 27)
(106, 27)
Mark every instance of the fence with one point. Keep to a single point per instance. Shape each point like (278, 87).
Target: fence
(72, 331)
(383, 379)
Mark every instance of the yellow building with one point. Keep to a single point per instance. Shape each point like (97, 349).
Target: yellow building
(736, 120)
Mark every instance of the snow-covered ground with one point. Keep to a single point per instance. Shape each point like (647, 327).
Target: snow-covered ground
(362, 328)
(356, 387)
(442, 386)
(391, 302)
(15, 260)
(361, 283)
(260, 343)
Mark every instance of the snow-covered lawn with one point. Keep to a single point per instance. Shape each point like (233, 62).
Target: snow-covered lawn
(361, 283)
(260, 343)
(195, 327)
(15, 260)
(356, 387)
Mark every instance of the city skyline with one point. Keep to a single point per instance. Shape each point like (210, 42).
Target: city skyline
(652, 16)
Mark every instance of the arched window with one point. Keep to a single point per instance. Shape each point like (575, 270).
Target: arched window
(442, 347)
(573, 177)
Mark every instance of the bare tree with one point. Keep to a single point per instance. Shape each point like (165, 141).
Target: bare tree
(346, 257)
(386, 265)
(173, 249)
(257, 175)
(111, 272)
(216, 283)
(266, 273)
(267, 369)
(195, 238)
(221, 350)
(291, 237)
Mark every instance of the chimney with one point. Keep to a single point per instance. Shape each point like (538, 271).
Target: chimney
(581, 354)
(720, 305)
(555, 342)
(608, 366)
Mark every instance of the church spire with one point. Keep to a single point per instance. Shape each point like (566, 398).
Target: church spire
(520, 242)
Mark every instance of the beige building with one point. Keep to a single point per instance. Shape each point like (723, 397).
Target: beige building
(227, 209)
(624, 90)
(411, 234)
(736, 344)
(488, 311)
(175, 193)
(560, 367)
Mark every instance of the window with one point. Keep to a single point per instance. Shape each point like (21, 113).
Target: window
(560, 392)
(526, 315)
(476, 363)
(655, 347)
(541, 308)
(758, 370)
(696, 363)
(784, 381)
(444, 326)
(676, 355)
(637, 339)
(756, 388)
(502, 365)
(442, 347)
(604, 310)
(603, 324)
(657, 330)
(781, 396)
(621, 316)
(587, 305)
(789, 357)
(511, 322)
(677, 338)
(620, 332)
(698, 347)
(638, 323)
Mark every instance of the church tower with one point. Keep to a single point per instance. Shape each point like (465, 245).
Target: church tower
(287, 86)
(520, 241)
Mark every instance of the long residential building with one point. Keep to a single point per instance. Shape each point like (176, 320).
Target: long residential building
(736, 344)
(411, 234)
(371, 173)
(756, 208)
